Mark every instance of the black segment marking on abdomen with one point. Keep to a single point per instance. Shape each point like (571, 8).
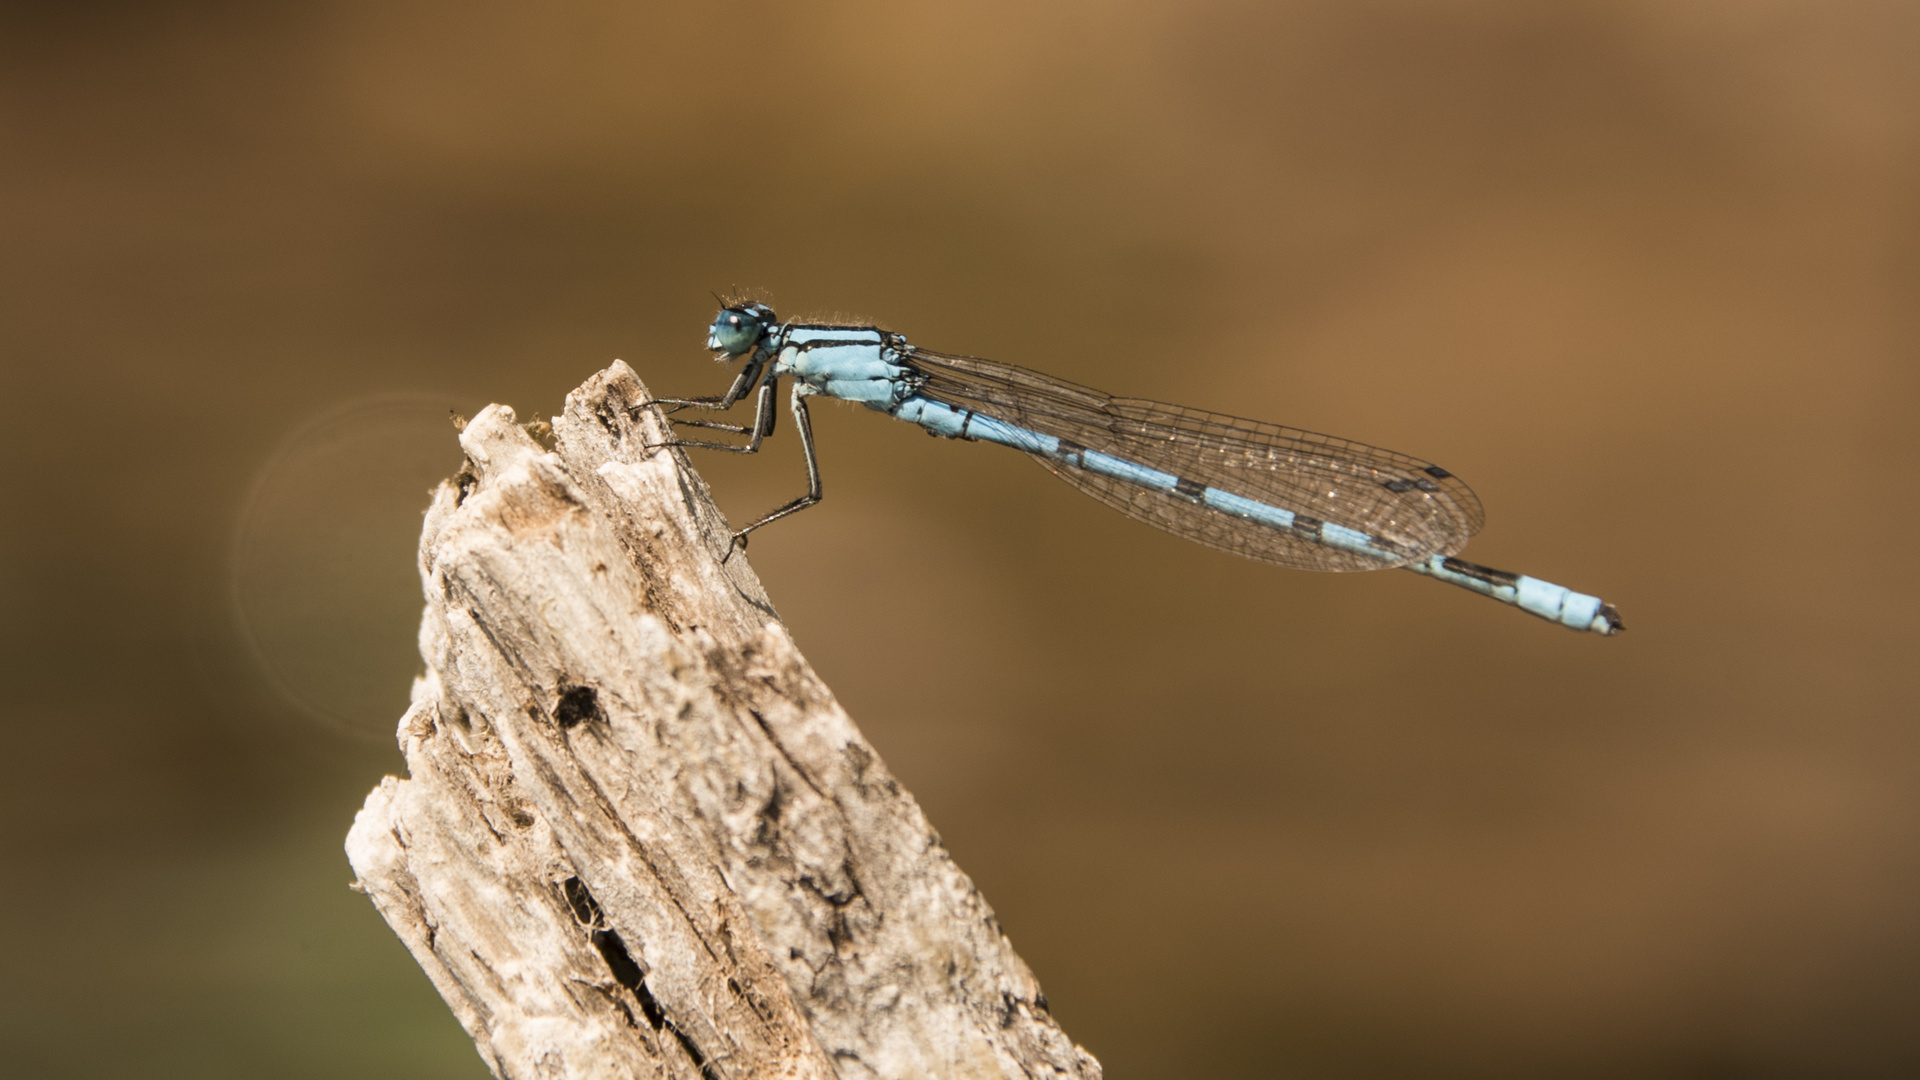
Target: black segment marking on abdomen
(1189, 489)
(1307, 526)
(1496, 578)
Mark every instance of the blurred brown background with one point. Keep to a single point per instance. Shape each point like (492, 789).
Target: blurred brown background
(1644, 273)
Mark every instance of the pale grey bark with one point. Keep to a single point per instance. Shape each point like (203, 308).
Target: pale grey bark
(640, 837)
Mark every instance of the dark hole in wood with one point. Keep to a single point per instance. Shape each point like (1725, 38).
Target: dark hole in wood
(577, 704)
(628, 972)
(625, 971)
(585, 908)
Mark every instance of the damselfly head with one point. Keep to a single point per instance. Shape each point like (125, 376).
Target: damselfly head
(738, 328)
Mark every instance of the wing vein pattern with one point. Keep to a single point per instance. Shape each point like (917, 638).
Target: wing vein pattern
(1407, 509)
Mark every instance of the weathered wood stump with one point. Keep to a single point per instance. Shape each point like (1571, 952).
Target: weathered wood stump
(640, 837)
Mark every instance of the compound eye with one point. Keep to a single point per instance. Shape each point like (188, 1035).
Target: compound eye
(735, 331)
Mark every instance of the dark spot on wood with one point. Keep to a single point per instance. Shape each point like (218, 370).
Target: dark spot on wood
(631, 973)
(577, 704)
(620, 963)
(626, 971)
(839, 935)
(465, 483)
(859, 757)
(766, 831)
(650, 1007)
(586, 911)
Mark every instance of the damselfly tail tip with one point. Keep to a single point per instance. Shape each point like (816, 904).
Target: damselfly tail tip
(1607, 622)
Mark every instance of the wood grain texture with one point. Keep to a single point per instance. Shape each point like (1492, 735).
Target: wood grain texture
(640, 837)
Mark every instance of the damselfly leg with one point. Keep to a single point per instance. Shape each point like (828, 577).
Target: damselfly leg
(763, 424)
(804, 425)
